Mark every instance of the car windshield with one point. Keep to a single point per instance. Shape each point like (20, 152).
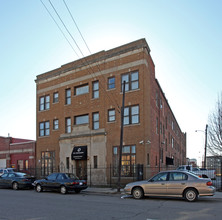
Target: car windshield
(71, 175)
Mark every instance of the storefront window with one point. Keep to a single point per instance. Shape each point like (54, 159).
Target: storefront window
(48, 162)
(128, 161)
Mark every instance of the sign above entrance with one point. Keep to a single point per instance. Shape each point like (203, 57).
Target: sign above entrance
(79, 153)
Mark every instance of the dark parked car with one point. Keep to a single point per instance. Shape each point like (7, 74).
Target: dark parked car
(16, 180)
(62, 182)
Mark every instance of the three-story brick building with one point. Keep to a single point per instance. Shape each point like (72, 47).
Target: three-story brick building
(78, 116)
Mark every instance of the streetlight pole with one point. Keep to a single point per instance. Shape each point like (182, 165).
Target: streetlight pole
(205, 146)
(121, 139)
(205, 149)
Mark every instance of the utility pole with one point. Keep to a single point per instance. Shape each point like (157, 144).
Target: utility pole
(121, 138)
(205, 149)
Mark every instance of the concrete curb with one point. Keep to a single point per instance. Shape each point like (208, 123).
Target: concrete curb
(95, 190)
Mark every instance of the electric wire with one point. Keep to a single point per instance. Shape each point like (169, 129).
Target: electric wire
(59, 28)
(76, 26)
(88, 48)
(118, 108)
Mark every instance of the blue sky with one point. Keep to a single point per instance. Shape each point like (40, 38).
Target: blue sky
(184, 38)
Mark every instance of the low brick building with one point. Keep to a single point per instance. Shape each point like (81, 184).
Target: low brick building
(78, 117)
(17, 153)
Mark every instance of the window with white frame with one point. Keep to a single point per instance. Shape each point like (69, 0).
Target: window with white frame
(131, 115)
(55, 124)
(131, 81)
(111, 115)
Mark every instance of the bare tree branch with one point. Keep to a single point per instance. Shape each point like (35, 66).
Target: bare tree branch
(215, 130)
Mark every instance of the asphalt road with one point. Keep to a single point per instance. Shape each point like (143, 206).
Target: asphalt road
(30, 205)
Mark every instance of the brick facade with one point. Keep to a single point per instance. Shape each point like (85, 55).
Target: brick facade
(151, 130)
(17, 153)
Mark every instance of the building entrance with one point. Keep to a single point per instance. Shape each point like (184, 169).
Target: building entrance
(81, 169)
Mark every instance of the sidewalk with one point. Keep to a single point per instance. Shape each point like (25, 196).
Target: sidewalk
(101, 190)
(98, 190)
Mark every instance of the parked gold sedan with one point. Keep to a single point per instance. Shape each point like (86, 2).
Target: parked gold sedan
(172, 184)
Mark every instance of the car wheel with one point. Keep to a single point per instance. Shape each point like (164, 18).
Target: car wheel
(38, 188)
(63, 190)
(77, 190)
(191, 195)
(15, 186)
(138, 193)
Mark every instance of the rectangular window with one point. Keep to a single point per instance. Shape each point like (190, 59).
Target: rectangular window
(55, 124)
(111, 115)
(148, 159)
(95, 118)
(157, 126)
(111, 82)
(26, 164)
(157, 99)
(41, 103)
(67, 163)
(44, 103)
(80, 90)
(68, 96)
(95, 88)
(47, 102)
(131, 115)
(47, 162)
(20, 165)
(68, 125)
(81, 119)
(95, 161)
(44, 128)
(131, 81)
(128, 160)
(55, 97)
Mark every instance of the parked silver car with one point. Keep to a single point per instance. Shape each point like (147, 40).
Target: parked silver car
(173, 183)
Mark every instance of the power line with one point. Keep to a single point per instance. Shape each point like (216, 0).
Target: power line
(59, 28)
(66, 27)
(77, 44)
(76, 26)
(88, 48)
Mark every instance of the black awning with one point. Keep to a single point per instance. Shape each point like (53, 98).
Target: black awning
(169, 161)
(79, 153)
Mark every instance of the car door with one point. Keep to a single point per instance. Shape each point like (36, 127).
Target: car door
(177, 183)
(50, 181)
(3, 179)
(9, 179)
(157, 185)
(60, 180)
